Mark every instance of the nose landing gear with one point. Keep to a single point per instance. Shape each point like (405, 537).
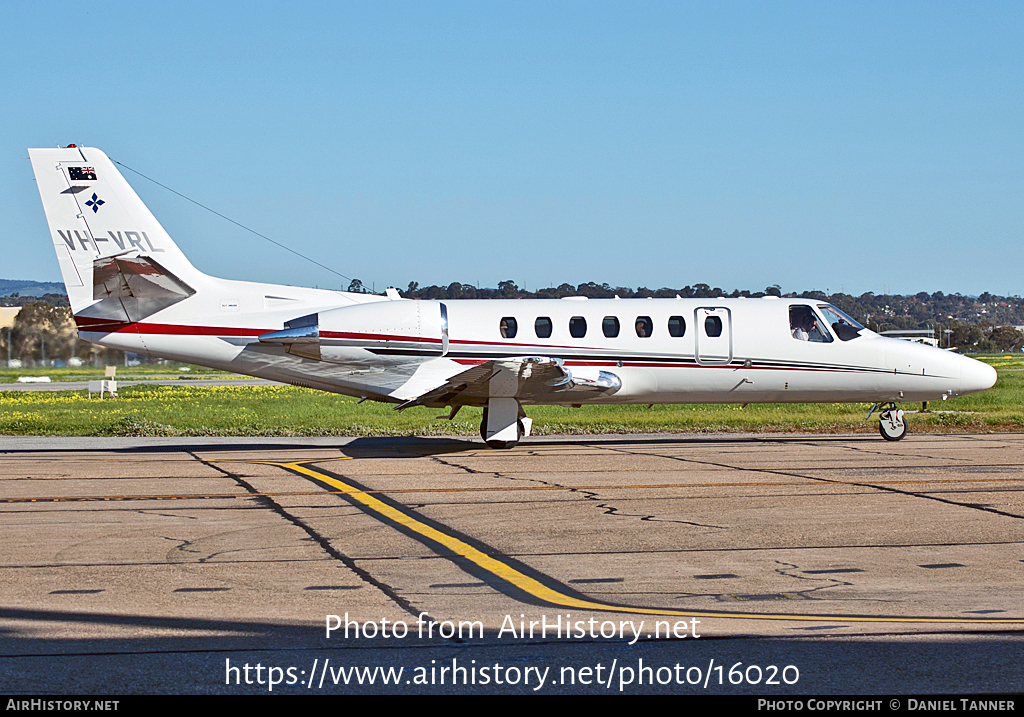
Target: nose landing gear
(891, 423)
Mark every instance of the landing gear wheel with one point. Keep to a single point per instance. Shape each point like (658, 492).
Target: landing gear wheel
(892, 425)
(501, 445)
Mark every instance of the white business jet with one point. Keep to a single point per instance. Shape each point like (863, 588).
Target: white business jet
(132, 288)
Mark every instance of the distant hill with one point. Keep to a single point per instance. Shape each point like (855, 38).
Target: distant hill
(24, 287)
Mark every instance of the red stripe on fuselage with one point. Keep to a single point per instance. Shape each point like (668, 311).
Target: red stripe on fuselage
(452, 342)
(653, 364)
(86, 323)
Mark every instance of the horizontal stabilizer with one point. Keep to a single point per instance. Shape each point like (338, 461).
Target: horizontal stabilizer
(127, 289)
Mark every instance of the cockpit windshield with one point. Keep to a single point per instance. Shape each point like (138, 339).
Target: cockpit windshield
(842, 324)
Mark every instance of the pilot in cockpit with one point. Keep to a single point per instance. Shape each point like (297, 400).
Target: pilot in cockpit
(803, 325)
(798, 321)
(814, 332)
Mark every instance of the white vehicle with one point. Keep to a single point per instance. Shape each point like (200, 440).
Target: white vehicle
(132, 288)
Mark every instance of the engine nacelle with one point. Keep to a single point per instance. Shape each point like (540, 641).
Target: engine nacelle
(389, 331)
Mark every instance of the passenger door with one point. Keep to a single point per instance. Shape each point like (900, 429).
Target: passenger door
(713, 335)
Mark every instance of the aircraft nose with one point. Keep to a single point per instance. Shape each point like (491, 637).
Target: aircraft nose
(976, 376)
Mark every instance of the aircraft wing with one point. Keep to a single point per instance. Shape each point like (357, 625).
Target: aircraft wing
(528, 379)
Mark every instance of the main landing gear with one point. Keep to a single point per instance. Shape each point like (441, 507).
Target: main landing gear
(504, 423)
(892, 425)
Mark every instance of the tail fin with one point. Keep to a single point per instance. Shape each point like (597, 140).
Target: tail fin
(94, 214)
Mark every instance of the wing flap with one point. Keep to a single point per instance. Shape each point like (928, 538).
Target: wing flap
(532, 379)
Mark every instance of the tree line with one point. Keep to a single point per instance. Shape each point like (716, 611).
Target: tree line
(980, 324)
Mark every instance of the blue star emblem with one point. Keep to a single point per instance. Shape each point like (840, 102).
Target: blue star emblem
(95, 203)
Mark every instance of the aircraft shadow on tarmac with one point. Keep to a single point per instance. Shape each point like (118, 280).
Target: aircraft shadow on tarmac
(194, 664)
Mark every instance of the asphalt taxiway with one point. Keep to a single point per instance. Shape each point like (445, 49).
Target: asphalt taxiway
(155, 565)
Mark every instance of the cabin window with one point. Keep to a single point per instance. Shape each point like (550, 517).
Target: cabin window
(713, 326)
(577, 327)
(676, 326)
(610, 327)
(805, 326)
(542, 327)
(644, 327)
(508, 328)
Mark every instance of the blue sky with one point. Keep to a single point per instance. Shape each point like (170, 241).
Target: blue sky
(833, 146)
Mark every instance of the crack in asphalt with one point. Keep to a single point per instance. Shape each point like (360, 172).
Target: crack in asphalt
(318, 538)
(587, 494)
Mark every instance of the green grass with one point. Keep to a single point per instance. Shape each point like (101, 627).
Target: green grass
(190, 410)
(1003, 361)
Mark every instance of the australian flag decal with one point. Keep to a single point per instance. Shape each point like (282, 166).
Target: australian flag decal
(87, 174)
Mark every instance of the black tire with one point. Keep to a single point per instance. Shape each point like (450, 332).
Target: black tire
(483, 427)
(885, 428)
(502, 445)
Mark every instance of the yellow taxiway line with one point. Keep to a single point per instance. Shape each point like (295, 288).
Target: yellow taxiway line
(552, 596)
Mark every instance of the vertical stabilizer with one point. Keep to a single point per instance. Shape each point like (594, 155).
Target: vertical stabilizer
(93, 213)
